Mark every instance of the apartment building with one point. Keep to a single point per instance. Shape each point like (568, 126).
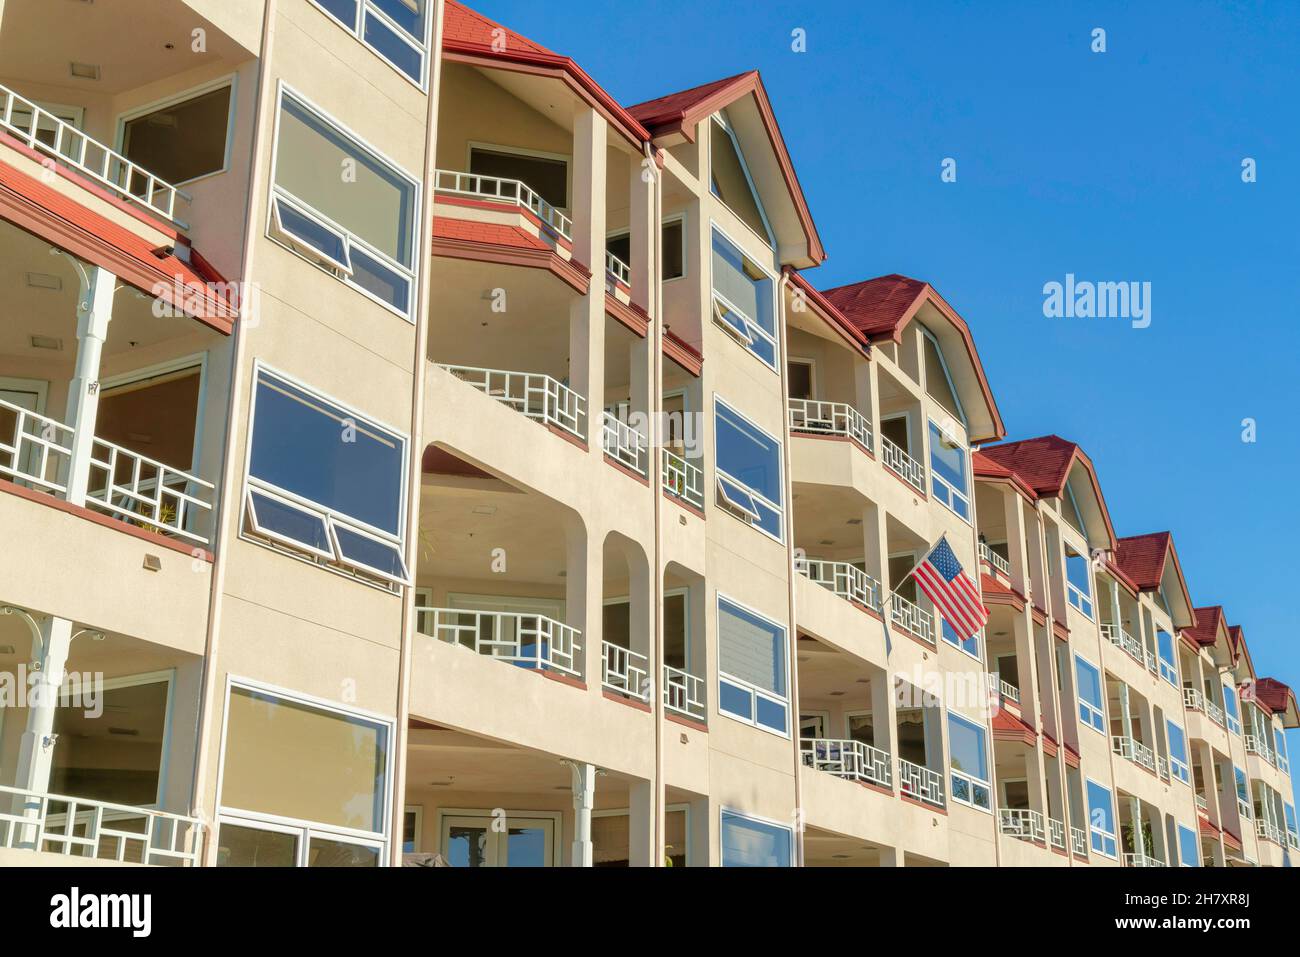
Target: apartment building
(435, 460)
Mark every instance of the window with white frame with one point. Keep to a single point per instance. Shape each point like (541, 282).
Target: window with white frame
(325, 481)
(938, 378)
(1101, 819)
(1189, 847)
(970, 764)
(748, 466)
(1279, 749)
(397, 30)
(752, 684)
(1243, 789)
(672, 264)
(338, 204)
(729, 178)
(1165, 654)
(1078, 581)
(1070, 509)
(970, 645)
(303, 783)
(1178, 763)
(949, 475)
(1288, 812)
(744, 299)
(1232, 709)
(183, 139)
(1087, 679)
(750, 842)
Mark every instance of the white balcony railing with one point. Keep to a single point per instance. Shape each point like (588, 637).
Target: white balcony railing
(904, 614)
(1116, 635)
(625, 671)
(1202, 803)
(617, 269)
(684, 693)
(993, 558)
(1134, 751)
(830, 418)
(846, 580)
(902, 464)
(683, 479)
(1215, 712)
(79, 827)
(497, 189)
(535, 395)
(34, 450)
(43, 131)
(1142, 860)
(624, 444)
(531, 641)
(1258, 746)
(1022, 823)
(146, 492)
(846, 758)
(1153, 664)
(920, 783)
(1268, 831)
(1243, 808)
(1003, 689)
(1078, 841)
(1056, 833)
(1162, 767)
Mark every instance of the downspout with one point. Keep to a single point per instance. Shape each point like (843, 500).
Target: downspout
(658, 807)
(230, 463)
(423, 321)
(793, 634)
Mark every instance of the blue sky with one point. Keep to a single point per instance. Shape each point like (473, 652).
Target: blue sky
(1115, 166)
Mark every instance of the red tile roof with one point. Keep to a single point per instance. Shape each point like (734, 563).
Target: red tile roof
(878, 306)
(1007, 727)
(823, 307)
(1274, 695)
(496, 233)
(59, 219)
(994, 591)
(1142, 557)
(463, 27)
(1206, 630)
(674, 108)
(1043, 463)
(985, 467)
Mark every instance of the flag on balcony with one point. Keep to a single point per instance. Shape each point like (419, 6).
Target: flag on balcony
(955, 596)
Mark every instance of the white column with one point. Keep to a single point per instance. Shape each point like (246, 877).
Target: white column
(52, 640)
(94, 311)
(1135, 814)
(584, 796)
(587, 313)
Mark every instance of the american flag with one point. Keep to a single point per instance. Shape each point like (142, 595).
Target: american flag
(955, 596)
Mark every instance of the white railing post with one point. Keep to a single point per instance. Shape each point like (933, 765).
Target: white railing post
(683, 479)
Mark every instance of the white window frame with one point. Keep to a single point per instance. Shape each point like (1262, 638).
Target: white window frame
(1196, 843)
(943, 364)
(973, 783)
(341, 269)
(1093, 830)
(193, 93)
(946, 500)
(752, 328)
(1097, 710)
(1168, 669)
(306, 830)
(335, 561)
(1180, 768)
(1074, 594)
(736, 490)
(726, 809)
(418, 811)
(770, 238)
(358, 31)
(199, 360)
(1233, 721)
(553, 819)
(754, 691)
(678, 217)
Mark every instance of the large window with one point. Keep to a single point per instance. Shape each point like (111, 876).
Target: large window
(948, 474)
(1078, 581)
(480, 839)
(1101, 819)
(301, 784)
(750, 485)
(752, 684)
(970, 764)
(1088, 682)
(1279, 749)
(969, 645)
(1288, 812)
(325, 481)
(341, 206)
(748, 842)
(1232, 709)
(1165, 652)
(397, 30)
(938, 379)
(1178, 765)
(1189, 847)
(744, 299)
(729, 179)
(1243, 791)
(183, 139)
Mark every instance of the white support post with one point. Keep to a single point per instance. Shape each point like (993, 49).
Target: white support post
(1139, 839)
(51, 641)
(94, 311)
(584, 797)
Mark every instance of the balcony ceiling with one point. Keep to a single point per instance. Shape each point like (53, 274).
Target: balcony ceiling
(71, 31)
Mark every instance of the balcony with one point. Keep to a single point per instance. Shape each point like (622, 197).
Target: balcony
(844, 579)
(539, 397)
(1195, 700)
(528, 641)
(1269, 831)
(1004, 690)
(1135, 751)
(82, 828)
(1023, 823)
(920, 783)
(1117, 636)
(624, 444)
(1078, 841)
(624, 671)
(683, 479)
(995, 561)
(1142, 860)
(36, 452)
(849, 759)
(905, 614)
(1056, 833)
(618, 272)
(901, 464)
(551, 224)
(1202, 803)
(1259, 747)
(810, 417)
(1243, 808)
(684, 693)
(68, 146)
